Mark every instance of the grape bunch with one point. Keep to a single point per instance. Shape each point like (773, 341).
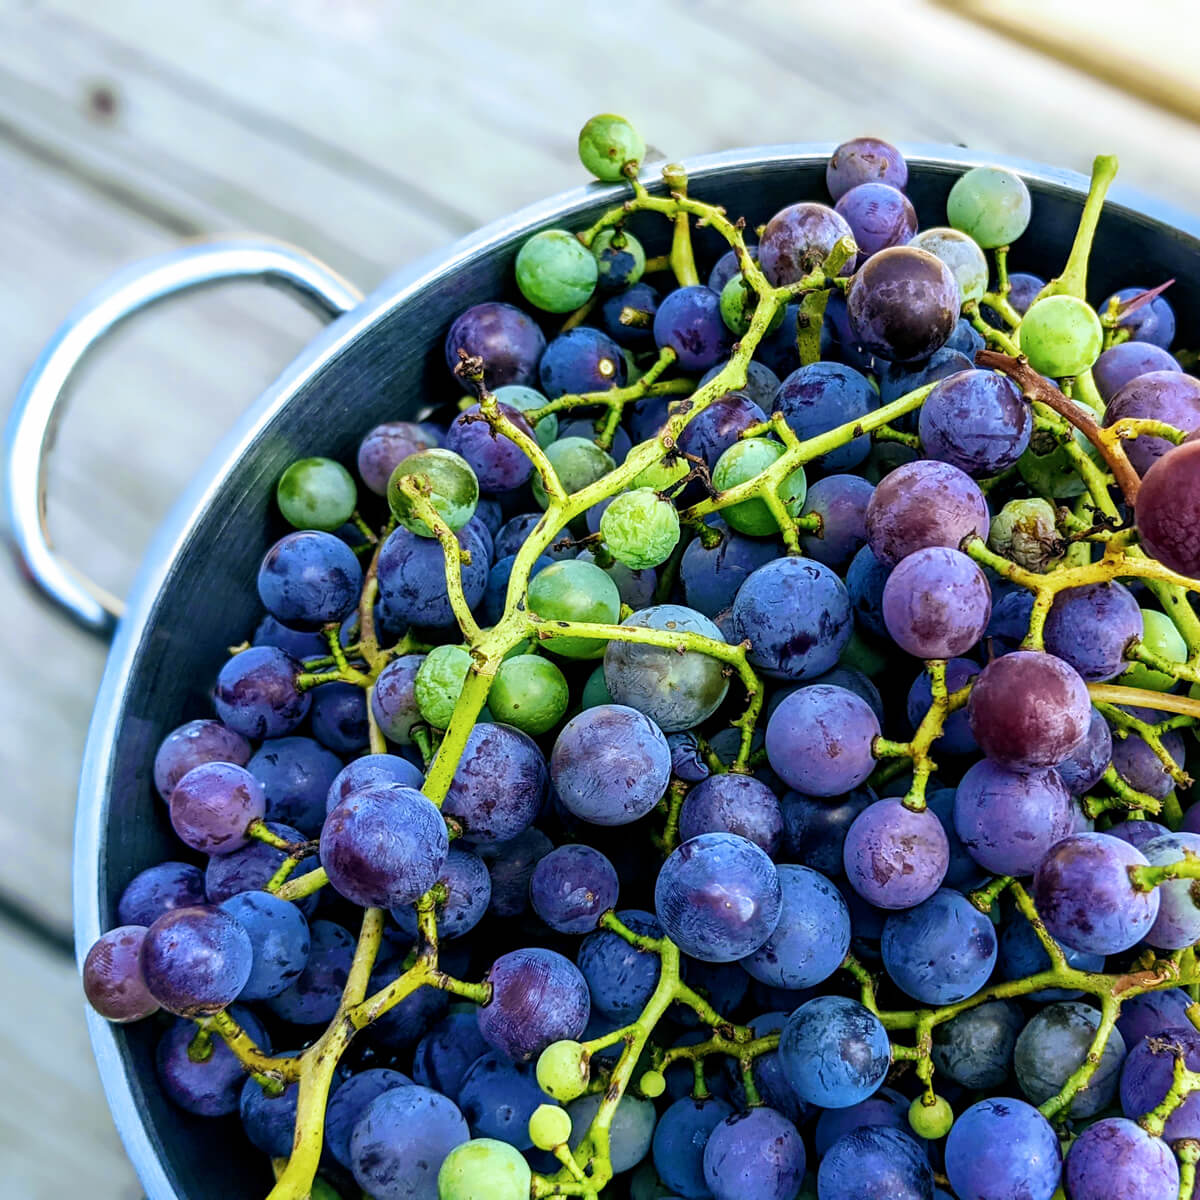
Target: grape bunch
(739, 749)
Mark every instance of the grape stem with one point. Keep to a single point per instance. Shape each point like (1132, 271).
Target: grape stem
(1073, 280)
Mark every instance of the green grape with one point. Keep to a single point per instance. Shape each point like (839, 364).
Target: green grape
(549, 1126)
(606, 143)
(1160, 635)
(738, 302)
(614, 272)
(659, 476)
(453, 489)
(864, 656)
(653, 1084)
(1049, 469)
(526, 399)
(595, 691)
(562, 1070)
(484, 1169)
(573, 590)
(1026, 532)
(556, 271)
(930, 1120)
(1061, 336)
(577, 461)
(744, 460)
(316, 493)
(530, 693)
(439, 683)
(961, 253)
(990, 204)
(640, 528)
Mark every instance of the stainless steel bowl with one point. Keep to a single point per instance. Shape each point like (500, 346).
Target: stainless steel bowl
(380, 360)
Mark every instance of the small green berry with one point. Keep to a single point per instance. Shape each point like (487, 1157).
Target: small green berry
(484, 1169)
(640, 528)
(562, 1070)
(526, 399)
(620, 259)
(990, 204)
(549, 1126)
(653, 1084)
(1160, 634)
(556, 271)
(743, 461)
(738, 304)
(930, 1120)
(606, 143)
(316, 493)
(448, 483)
(439, 683)
(577, 461)
(530, 693)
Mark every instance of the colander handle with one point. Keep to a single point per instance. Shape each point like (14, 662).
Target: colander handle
(34, 420)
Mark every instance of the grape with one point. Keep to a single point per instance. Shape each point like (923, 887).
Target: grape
(469, 889)
(1001, 1148)
(256, 694)
(1120, 364)
(975, 1048)
(270, 1121)
(348, 1102)
(508, 341)
(295, 774)
(863, 160)
(538, 997)
(886, 1108)
(381, 451)
(498, 785)
(1160, 635)
(819, 740)
(759, 389)
(581, 360)
(1008, 820)
(575, 591)
(511, 865)
(798, 239)
(924, 504)
(495, 596)
(841, 503)
(412, 579)
(812, 936)
(498, 1096)
(679, 1141)
(757, 1153)
(190, 745)
(1055, 1044)
(990, 204)
(195, 961)
(338, 717)
(815, 828)
(1083, 894)
(483, 1169)
(743, 461)
(956, 736)
(610, 765)
(1152, 324)
(726, 267)
(903, 304)
(711, 577)
(621, 977)
(629, 319)
(894, 857)
(687, 761)
(1148, 1074)
(1140, 767)
(313, 997)
(961, 254)
(1029, 709)
(689, 321)
(620, 259)
(1178, 922)
(549, 1127)
(159, 889)
(879, 216)
(1061, 336)
(401, 1140)
(711, 432)
(875, 1163)
(1138, 832)
(572, 887)
(718, 897)
(1150, 1014)
(296, 642)
(367, 771)
(445, 1054)
(210, 1086)
(733, 804)
(936, 603)
(309, 578)
(316, 493)
(834, 1052)
(1168, 510)
(555, 271)
(962, 871)
(1091, 627)
(408, 1021)
(738, 304)
(384, 846)
(607, 143)
(279, 941)
(866, 578)
(393, 698)
(498, 463)
(898, 379)
(940, 952)
(446, 481)
(1161, 396)
(529, 693)
(1116, 1160)
(250, 869)
(976, 421)
(112, 976)
(822, 396)
(796, 615)
(526, 399)
(640, 528)
(630, 1134)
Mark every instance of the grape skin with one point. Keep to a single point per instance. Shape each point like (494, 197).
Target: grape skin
(936, 603)
(820, 739)
(894, 857)
(999, 1145)
(679, 1141)
(834, 1052)
(195, 961)
(757, 1153)
(733, 803)
(1115, 1159)
(1168, 509)
(975, 1049)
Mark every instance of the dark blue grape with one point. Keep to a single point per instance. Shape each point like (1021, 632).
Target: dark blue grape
(445, 1054)
(1083, 768)
(822, 396)
(711, 577)
(679, 1141)
(1055, 1044)
(879, 216)
(572, 887)
(1022, 954)
(620, 977)
(498, 1097)
(1151, 1013)
(761, 382)
(196, 960)
(875, 1163)
(1000, 1148)
(347, 1104)
(256, 693)
(689, 322)
(295, 773)
(865, 580)
(1153, 323)
(298, 643)
(1140, 767)
(717, 427)
(339, 717)
(496, 592)
(798, 239)
(279, 941)
(511, 865)
(815, 827)
(687, 762)
(887, 1108)
(956, 736)
(206, 1087)
(1091, 627)
(159, 889)
(841, 503)
(936, 603)
(898, 379)
(468, 892)
(313, 997)
(756, 1153)
(975, 1049)
(393, 701)
(499, 784)
(727, 266)
(1009, 622)
(834, 1052)
(251, 868)
(581, 360)
(629, 316)
(962, 871)
(309, 578)
(412, 579)
(498, 462)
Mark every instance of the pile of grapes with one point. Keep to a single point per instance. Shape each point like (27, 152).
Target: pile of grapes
(739, 753)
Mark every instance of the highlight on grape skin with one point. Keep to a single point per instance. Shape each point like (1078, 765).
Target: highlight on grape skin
(738, 746)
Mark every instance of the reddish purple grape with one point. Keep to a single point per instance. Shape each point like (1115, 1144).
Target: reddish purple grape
(936, 603)
(498, 462)
(689, 322)
(112, 976)
(894, 857)
(385, 447)
(798, 239)
(193, 743)
(256, 693)
(1168, 510)
(509, 342)
(196, 961)
(879, 216)
(924, 503)
(977, 421)
(538, 997)
(213, 805)
(1124, 362)
(1168, 396)
(159, 889)
(865, 160)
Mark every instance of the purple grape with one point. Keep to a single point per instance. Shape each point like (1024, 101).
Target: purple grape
(689, 322)
(1084, 895)
(393, 701)
(621, 978)
(834, 1052)
(709, 434)
(279, 940)
(159, 889)
(348, 1103)
(820, 738)
(1091, 628)
(629, 316)
(822, 396)
(679, 1141)
(193, 743)
(251, 868)
(499, 784)
(581, 360)
(711, 577)
(879, 216)
(1008, 820)
(309, 578)
(508, 341)
(850, 678)
(903, 304)
(1140, 767)
(894, 857)
(313, 997)
(368, 771)
(338, 717)
(886, 1109)
(384, 448)
(798, 239)
(727, 266)
(206, 1087)
(936, 603)
(572, 887)
(1029, 709)
(196, 961)
(962, 871)
(940, 952)
(898, 379)
(841, 503)
(468, 892)
(1084, 767)
(976, 421)
(511, 865)
(733, 804)
(1120, 364)
(213, 805)
(298, 643)
(295, 774)
(412, 579)
(538, 997)
(1022, 954)
(865, 160)
(1178, 922)
(1151, 1013)
(1153, 323)
(1115, 1159)
(498, 1096)
(1135, 831)
(687, 763)
(444, 1055)
(815, 827)
(923, 504)
(1148, 1073)
(756, 1153)
(718, 897)
(112, 976)
(1168, 396)
(498, 462)
(875, 1163)
(1001, 1148)
(956, 736)
(866, 578)
(256, 693)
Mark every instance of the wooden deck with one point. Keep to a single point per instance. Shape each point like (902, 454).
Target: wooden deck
(367, 136)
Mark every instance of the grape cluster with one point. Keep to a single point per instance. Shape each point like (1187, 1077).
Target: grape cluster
(739, 751)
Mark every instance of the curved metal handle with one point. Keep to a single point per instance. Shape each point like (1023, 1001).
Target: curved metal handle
(34, 419)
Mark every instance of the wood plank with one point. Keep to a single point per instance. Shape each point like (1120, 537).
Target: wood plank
(56, 1134)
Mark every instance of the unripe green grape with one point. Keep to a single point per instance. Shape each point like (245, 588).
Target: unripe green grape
(653, 1084)
(990, 204)
(526, 399)
(1061, 336)
(562, 1070)
(1160, 635)
(484, 1169)
(620, 259)
(595, 691)
(659, 476)
(453, 489)
(738, 303)
(961, 253)
(529, 693)
(577, 461)
(316, 493)
(606, 143)
(640, 528)
(574, 590)
(930, 1120)
(439, 683)
(744, 460)
(549, 1126)
(556, 271)
(1026, 532)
